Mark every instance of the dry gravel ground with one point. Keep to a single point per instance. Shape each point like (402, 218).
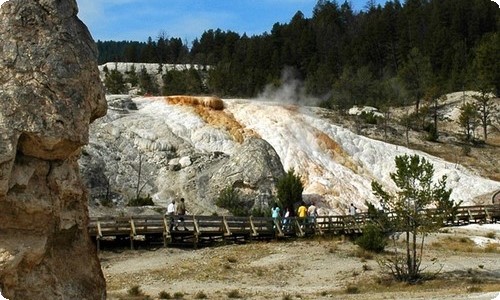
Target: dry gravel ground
(318, 268)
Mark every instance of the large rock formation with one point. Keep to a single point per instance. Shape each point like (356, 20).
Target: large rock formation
(178, 153)
(49, 93)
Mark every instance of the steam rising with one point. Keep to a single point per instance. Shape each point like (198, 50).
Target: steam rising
(290, 90)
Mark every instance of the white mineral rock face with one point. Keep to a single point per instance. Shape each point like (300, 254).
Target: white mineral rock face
(337, 166)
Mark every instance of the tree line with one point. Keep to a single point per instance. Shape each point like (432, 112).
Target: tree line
(392, 53)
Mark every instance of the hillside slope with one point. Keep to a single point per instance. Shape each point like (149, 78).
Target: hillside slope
(193, 149)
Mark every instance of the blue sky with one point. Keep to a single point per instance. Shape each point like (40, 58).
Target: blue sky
(187, 19)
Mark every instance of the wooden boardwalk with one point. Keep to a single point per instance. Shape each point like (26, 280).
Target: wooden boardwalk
(200, 230)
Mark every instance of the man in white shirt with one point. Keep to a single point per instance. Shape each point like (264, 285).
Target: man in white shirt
(171, 212)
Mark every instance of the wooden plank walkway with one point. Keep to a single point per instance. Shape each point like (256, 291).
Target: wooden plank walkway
(198, 230)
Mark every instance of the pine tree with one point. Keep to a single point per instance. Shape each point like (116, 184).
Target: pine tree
(290, 190)
(416, 192)
(468, 119)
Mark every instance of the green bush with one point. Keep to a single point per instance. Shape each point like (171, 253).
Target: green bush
(114, 82)
(368, 117)
(234, 294)
(135, 291)
(164, 295)
(229, 198)
(141, 201)
(290, 188)
(432, 133)
(372, 239)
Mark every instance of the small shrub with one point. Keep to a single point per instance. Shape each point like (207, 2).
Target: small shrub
(232, 259)
(164, 295)
(234, 294)
(475, 280)
(141, 201)
(366, 268)
(135, 291)
(352, 289)
(432, 133)
(466, 150)
(373, 239)
(229, 198)
(464, 240)
(106, 202)
(473, 289)
(491, 235)
(201, 295)
(286, 297)
(178, 295)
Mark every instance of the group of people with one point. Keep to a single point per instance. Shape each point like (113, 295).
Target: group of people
(304, 212)
(178, 209)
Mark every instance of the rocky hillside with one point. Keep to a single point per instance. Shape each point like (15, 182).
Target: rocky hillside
(193, 147)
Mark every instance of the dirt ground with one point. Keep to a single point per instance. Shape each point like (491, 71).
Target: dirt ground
(317, 268)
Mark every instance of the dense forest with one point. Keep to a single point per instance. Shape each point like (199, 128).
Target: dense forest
(394, 53)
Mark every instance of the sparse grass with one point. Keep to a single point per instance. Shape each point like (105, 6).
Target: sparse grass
(476, 280)
(363, 254)
(461, 244)
(492, 248)
(473, 289)
(464, 244)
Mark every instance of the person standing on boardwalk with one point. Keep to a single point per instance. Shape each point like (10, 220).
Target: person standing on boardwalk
(312, 212)
(275, 214)
(352, 210)
(170, 213)
(180, 210)
(302, 212)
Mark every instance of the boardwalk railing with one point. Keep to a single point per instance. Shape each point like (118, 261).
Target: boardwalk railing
(204, 229)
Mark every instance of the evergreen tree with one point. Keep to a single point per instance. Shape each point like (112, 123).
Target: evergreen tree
(468, 119)
(485, 108)
(290, 190)
(416, 74)
(487, 62)
(114, 83)
(147, 83)
(416, 192)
